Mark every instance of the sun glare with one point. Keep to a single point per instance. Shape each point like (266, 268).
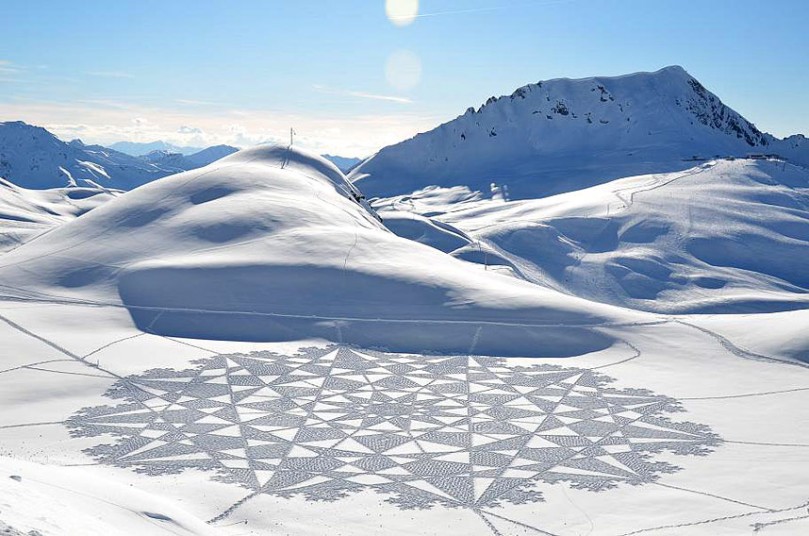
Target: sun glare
(403, 70)
(402, 12)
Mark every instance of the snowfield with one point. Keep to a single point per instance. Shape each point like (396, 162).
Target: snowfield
(25, 214)
(507, 339)
(40, 499)
(295, 255)
(724, 236)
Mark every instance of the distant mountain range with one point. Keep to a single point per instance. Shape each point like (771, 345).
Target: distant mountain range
(343, 162)
(32, 157)
(134, 148)
(561, 135)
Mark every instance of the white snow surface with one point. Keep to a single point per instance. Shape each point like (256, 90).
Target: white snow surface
(294, 255)
(56, 501)
(247, 349)
(25, 214)
(725, 236)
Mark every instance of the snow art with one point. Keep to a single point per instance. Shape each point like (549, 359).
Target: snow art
(457, 431)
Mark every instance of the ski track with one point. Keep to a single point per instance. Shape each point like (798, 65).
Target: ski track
(713, 520)
(230, 510)
(724, 342)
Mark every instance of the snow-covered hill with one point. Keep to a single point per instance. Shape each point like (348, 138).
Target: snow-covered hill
(562, 135)
(275, 243)
(724, 236)
(25, 214)
(133, 427)
(32, 157)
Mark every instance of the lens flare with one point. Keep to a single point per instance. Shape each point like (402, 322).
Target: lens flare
(403, 70)
(402, 12)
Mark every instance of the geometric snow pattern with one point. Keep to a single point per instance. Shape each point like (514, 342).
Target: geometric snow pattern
(457, 431)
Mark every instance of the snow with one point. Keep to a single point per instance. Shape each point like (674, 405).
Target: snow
(94, 169)
(724, 236)
(34, 158)
(757, 475)
(297, 256)
(563, 135)
(63, 500)
(254, 348)
(28, 213)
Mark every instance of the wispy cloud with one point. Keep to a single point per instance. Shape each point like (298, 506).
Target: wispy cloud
(361, 94)
(6, 67)
(110, 74)
(193, 102)
(372, 96)
(107, 103)
(9, 72)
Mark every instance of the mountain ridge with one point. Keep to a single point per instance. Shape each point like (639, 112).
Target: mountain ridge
(134, 148)
(34, 158)
(562, 134)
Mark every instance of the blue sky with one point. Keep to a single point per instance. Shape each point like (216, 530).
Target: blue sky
(347, 77)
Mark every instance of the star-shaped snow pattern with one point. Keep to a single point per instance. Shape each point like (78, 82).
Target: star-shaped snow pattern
(459, 431)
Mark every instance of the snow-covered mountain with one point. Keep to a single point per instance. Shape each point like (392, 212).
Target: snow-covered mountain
(562, 135)
(345, 163)
(209, 155)
(134, 148)
(32, 157)
(180, 162)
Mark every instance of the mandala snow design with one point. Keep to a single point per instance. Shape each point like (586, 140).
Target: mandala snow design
(459, 431)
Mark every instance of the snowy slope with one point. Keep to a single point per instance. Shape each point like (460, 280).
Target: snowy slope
(34, 158)
(127, 422)
(55, 501)
(590, 419)
(562, 135)
(271, 243)
(28, 213)
(725, 236)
